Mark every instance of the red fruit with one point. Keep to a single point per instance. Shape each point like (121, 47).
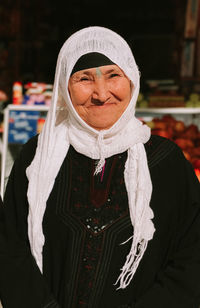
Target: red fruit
(195, 151)
(170, 132)
(161, 132)
(160, 124)
(191, 132)
(184, 143)
(197, 171)
(196, 163)
(179, 126)
(168, 118)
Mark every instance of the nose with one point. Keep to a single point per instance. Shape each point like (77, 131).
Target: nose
(100, 91)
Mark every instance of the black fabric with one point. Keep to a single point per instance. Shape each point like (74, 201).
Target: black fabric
(169, 273)
(90, 60)
(96, 225)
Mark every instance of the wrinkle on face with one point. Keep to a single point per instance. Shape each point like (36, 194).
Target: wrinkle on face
(100, 95)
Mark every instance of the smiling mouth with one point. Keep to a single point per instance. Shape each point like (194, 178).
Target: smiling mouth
(100, 105)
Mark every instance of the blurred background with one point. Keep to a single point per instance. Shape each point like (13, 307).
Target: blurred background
(32, 32)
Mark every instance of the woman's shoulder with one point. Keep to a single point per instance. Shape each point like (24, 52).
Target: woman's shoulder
(160, 148)
(27, 152)
(168, 164)
(30, 145)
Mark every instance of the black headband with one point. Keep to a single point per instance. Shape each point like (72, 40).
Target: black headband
(90, 60)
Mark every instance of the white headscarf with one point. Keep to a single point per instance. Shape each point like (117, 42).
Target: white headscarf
(63, 126)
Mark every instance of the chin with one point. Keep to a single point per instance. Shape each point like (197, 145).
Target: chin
(101, 127)
(101, 124)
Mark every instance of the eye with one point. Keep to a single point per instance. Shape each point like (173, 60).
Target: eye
(113, 75)
(84, 78)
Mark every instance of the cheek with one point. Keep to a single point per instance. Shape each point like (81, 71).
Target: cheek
(79, 94)
(122, 90)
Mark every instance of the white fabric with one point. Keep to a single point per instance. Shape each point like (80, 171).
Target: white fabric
(63, 127)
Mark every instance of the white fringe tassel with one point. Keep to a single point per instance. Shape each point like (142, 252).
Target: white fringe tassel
(132, 261)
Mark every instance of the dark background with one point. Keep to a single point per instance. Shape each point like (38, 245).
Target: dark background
(32, 33)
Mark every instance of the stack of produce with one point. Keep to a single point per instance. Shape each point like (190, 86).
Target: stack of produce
(187, 137)
(166, 100)
(168, 94)
(193, 101)
(32, 93)
(164, 94)
(37, 93)
(160, 100)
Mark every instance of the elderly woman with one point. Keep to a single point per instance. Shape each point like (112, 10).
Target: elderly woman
(98, 213)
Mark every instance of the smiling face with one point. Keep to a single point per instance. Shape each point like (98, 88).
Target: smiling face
(100, 95)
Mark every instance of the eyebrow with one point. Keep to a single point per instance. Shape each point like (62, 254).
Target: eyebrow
(87, 72)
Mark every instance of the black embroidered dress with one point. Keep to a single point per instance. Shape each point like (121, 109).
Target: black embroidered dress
(86, 221)
(92, 210)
